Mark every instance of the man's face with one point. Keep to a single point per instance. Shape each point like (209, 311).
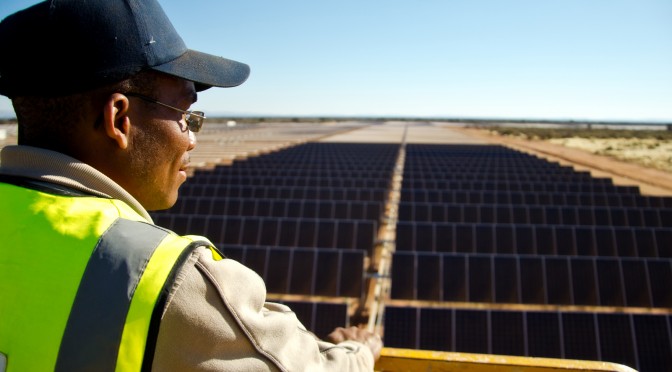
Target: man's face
(159, 144)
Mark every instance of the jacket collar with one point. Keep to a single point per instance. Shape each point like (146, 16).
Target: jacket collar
(58, 168)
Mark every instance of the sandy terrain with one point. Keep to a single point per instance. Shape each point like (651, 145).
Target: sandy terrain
(647, 152)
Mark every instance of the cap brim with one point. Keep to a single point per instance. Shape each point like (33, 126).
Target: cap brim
(206, 70)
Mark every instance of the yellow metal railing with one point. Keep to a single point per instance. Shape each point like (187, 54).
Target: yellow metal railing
(398, 360)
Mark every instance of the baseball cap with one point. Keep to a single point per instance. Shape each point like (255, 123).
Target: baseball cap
(60, 47)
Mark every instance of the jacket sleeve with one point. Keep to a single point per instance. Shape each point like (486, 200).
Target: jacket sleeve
(216, 319)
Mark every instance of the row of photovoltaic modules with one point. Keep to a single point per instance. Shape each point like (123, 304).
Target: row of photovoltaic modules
(305, 219)
(641, 341)
(532, 279)
(477, 224)
(489, 225)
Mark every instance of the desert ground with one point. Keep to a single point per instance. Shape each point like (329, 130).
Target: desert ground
(648, 152)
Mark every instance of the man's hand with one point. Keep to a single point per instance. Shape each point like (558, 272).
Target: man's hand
(371, 340)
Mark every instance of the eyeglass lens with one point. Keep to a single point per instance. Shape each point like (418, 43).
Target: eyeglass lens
(194, 120)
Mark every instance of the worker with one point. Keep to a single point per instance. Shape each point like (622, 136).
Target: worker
(102, 91)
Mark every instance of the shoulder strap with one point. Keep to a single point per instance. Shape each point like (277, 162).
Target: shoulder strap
(93, 333)
(153, 332)
(129, 276)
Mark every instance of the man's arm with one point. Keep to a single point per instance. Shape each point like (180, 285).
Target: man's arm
(217, 319)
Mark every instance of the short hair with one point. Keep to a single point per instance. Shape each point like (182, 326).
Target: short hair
(52, 122)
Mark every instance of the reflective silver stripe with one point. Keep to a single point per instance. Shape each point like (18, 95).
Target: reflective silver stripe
(93, 332)
(3, 362)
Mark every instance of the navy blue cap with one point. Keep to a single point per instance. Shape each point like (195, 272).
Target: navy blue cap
(61, 47)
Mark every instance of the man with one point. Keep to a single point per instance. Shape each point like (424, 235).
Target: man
(102, 90)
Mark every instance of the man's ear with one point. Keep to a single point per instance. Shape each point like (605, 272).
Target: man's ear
(116, 123)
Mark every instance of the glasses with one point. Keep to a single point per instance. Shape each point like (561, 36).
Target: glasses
(194, 119)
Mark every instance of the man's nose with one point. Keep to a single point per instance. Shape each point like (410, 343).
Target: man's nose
(192, 140)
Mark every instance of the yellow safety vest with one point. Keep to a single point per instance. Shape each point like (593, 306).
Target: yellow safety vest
(83, 279)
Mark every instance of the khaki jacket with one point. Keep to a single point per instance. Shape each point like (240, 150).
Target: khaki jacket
(216, 317)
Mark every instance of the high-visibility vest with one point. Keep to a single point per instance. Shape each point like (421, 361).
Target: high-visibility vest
(83, 280)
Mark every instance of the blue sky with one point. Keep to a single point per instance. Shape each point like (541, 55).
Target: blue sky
(546, 59)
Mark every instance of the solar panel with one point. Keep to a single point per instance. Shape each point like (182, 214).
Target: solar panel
(652, 337)
(616, 339)
(436, 329)
(471, 331)
(579, 334)
(544, 335)
(507, 334)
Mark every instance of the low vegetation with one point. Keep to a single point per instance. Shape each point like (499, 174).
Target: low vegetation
(551, 133)
(650, 148)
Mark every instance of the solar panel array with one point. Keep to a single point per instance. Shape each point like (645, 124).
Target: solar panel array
(529, 258)
(305, 219)
(496, 252)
